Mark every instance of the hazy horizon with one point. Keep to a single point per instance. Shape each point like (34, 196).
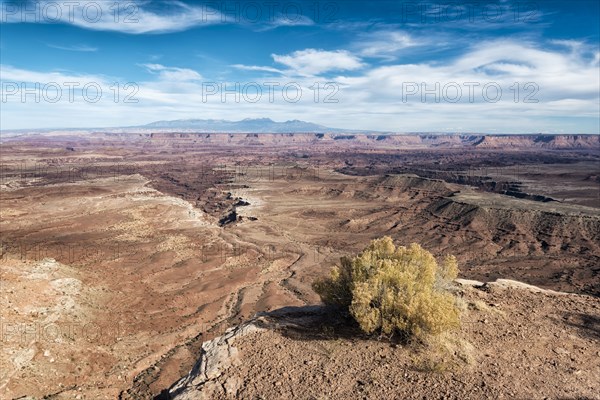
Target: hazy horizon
(333, 130)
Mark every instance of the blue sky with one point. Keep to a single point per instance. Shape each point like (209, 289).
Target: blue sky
(487, 66)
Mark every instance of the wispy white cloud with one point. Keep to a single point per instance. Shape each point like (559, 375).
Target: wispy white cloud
(596, 61)
(312, 62)
(14, 74)
(581, 49)
(133, 17)
(281, 20)
(81, 47)
(386, 44)
(173, 74)
(296, 20)
(572, 44)
(369, 98)
(532, 97)
(143, 17)
(257, 68)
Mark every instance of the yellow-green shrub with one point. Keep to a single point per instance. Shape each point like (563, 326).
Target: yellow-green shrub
(394, 289)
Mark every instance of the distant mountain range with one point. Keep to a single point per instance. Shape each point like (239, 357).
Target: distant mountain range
(248, 125)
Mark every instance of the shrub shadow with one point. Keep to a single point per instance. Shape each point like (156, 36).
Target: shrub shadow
(317, 323)
(587, 325)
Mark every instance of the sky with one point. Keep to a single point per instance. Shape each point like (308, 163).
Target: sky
(401, 66)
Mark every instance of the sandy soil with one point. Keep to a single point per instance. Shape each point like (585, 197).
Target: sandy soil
(116, 265)
(513, 344)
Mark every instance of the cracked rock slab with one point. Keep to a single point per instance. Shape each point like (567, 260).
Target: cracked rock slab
(216, 357)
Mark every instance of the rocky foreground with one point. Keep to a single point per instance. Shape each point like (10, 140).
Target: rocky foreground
(516, 341)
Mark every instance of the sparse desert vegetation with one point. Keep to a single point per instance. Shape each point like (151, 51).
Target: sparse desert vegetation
(159, 275)
(389, 289)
